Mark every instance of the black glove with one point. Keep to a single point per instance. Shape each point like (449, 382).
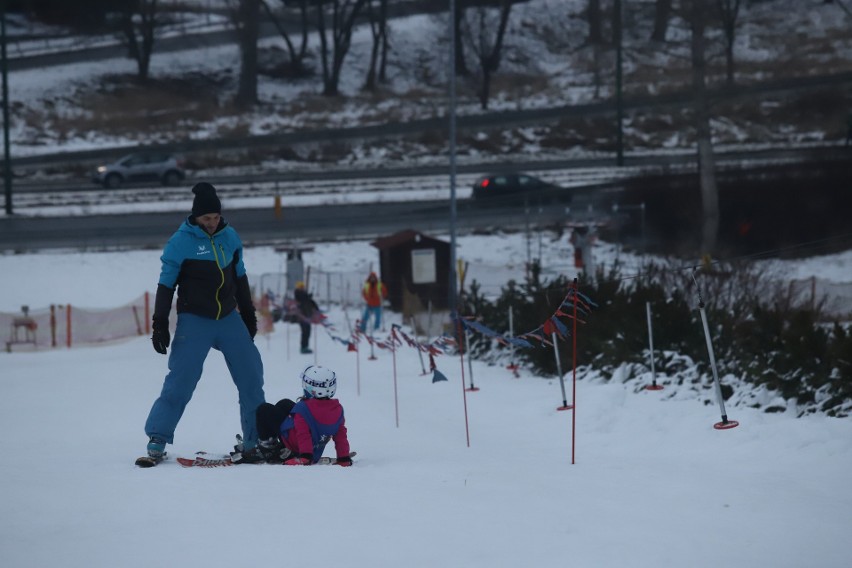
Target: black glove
(345, 461)
(251, 322)
(161, 337)
(162, 306)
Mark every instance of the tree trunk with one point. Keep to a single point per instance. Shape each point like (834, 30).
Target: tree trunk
(328, 87)
(383, 59)
(703, 132)
(662, 11)
(489, 54)
(297, 56)
(595, 20)
(485, 88)
(461, 65)
(342, 21)
(728, 13)
(140, 48)
(378, 27)
(248, 27)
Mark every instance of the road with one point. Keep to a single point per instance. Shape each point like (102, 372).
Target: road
(328, 208)
(261, 226)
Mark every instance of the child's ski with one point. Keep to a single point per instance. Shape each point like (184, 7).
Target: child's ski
(201, 460)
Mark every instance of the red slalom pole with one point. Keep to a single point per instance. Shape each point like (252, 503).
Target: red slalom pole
(358, 368)
(565, 405)
(574, 378)
(464, 390)
(653, 386)
(395, 396)
(725, 424)
(472, 387)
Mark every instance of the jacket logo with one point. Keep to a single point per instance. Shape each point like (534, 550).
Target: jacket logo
(202, 249)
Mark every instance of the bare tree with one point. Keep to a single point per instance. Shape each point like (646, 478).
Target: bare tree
(840, 4)
(297, 67)
(138, 25)
(246, 19)
(595, 18)
(703, 133)
(379, 52)
(729, 11)
(461, 61)
(486, 43)
(343, 16)
(662, 11)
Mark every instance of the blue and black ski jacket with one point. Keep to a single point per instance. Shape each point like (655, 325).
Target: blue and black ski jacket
(207, 271)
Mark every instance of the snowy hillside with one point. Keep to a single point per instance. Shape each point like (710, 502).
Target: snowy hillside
(444, 477)
(546, 63)
(652, 484)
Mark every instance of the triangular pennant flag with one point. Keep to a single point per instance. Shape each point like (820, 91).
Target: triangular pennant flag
(560, 327)
(519, 342)
(536, 333)
(485, 330)
(438, 376)
(352, 346)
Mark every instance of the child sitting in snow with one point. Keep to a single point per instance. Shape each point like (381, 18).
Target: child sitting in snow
(295, 433)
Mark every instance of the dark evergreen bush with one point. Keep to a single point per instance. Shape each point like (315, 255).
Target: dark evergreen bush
(759, 332)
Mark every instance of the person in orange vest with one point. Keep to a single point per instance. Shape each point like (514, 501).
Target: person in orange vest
(374, 293)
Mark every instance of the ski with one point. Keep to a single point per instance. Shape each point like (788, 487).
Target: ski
(148, 461)
(325, 460)
(201, 460)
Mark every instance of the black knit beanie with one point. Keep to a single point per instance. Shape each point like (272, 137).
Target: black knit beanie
(206, 201)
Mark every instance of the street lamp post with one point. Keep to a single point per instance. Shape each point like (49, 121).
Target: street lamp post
(617, 32)
(453, 294)
(7, 161)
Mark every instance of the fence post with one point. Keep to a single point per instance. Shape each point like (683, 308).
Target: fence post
(53, 325)
(68, 326)
(147, 313)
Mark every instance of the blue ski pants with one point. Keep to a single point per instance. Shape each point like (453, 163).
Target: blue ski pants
(193, 338)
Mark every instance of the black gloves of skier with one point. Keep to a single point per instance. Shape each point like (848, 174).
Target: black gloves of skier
(251, 322)
(161, 336)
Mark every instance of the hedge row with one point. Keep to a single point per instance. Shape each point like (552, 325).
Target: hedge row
(760, 333)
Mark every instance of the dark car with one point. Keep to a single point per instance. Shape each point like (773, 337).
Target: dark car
(506, 187)
(141, 166)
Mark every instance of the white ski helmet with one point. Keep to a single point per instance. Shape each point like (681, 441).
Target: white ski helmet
(319, 382)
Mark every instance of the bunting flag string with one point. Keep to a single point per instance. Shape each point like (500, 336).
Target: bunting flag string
(396, 338)
(553, 328)
(351, 343)
(546, 330)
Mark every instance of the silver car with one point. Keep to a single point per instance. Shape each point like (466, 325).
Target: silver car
(141, 166)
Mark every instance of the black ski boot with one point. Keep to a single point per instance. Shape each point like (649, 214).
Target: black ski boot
(266, 451)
